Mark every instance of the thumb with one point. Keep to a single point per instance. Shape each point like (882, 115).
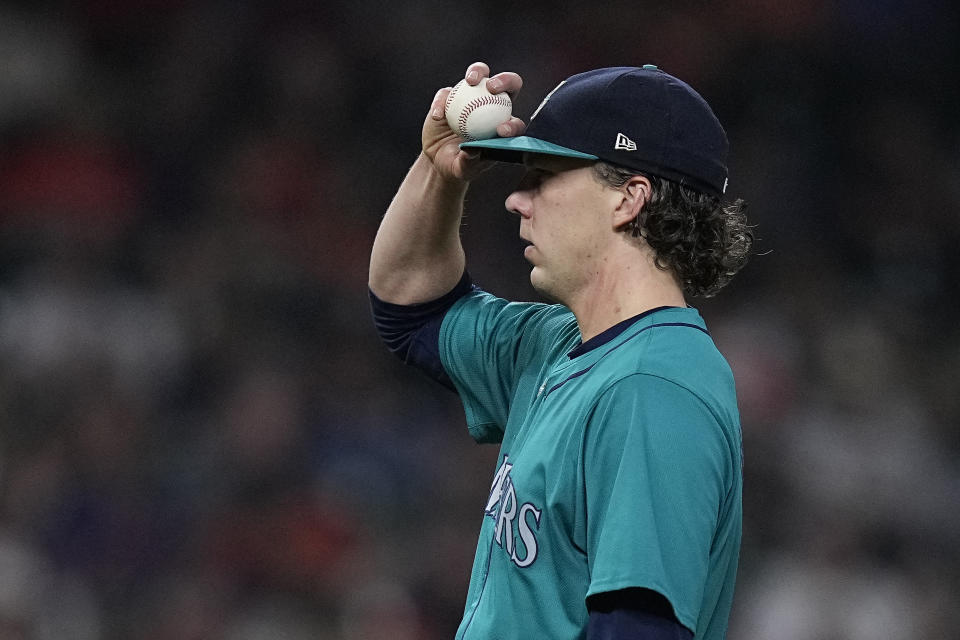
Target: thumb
(438, 106)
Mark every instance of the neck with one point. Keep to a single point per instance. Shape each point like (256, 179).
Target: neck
(626, 287)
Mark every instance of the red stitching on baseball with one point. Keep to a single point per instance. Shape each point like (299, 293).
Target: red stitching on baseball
(452, 93)
(476, 103)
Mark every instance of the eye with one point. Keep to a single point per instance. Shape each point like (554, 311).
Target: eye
(533, 178)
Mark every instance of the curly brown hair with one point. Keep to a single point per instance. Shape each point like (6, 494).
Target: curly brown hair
(704, 241)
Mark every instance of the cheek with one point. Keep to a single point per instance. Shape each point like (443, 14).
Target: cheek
(567, 218)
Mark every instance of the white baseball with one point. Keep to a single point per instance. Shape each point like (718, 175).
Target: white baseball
(474, 113)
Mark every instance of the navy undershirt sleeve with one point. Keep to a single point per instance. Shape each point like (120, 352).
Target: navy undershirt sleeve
(633, 614)
(412, 332)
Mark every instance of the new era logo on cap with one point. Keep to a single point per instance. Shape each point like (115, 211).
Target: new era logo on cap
(624, 143)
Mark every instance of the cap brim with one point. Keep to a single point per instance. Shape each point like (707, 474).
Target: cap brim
(512, 149)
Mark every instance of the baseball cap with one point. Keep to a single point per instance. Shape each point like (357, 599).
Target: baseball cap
(639, 118)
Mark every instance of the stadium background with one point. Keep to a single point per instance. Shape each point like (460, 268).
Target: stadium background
(200, 435)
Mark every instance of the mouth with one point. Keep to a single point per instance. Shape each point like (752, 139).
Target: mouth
(528, 247)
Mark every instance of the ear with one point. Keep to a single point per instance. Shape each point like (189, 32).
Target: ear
(634, 194)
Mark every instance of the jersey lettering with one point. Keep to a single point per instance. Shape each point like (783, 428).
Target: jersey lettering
(526, 536)
(513, 521)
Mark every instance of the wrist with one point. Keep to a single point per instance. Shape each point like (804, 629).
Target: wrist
(441, 182)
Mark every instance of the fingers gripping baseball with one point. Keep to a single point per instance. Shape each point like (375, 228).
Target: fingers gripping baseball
(477, 107)
(441, 144)
(505, 82)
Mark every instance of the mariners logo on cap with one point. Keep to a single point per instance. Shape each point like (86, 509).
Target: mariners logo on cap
(549, 95)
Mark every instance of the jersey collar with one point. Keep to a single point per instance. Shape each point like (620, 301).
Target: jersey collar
(607, 335)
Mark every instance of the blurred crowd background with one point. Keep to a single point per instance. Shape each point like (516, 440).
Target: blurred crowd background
(200, 433)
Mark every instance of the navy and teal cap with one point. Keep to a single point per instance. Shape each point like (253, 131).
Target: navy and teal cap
(639, 118)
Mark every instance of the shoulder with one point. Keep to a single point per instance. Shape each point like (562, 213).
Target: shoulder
(643, 398)
(675, 355)
(478, 302)
(669, 426)
(482, 314)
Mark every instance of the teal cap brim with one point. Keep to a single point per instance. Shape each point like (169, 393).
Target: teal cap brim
(512, 149)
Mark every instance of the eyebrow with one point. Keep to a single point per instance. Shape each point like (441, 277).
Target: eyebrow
(534, 160)
(550, 162)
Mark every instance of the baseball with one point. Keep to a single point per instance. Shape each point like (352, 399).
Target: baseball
(474, 113)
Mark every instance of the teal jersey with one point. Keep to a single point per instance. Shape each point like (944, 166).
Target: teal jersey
(619, 467)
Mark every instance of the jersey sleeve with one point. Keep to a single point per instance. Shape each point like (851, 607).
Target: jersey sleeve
(656, 472)
(411, 332)
(487, 347)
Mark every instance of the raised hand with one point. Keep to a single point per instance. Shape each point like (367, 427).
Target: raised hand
(441, 144)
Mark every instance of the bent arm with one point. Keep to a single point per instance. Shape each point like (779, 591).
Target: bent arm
(417, 255)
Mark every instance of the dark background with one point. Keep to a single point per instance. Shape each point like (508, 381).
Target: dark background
(200, 434)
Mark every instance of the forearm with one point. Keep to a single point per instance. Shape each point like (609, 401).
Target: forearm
(417, 255)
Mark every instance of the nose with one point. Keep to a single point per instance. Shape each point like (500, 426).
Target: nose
(518, 203)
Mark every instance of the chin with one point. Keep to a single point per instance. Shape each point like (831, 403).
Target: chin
(542, 286)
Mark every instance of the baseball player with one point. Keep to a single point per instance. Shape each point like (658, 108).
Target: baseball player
(615, 507)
